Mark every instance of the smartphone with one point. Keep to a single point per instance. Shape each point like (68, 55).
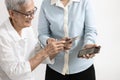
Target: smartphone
(92, 50)
(74, 38)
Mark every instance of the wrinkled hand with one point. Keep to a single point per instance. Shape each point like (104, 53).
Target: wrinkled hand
(87, 56)
(51, 40)
(54, 47)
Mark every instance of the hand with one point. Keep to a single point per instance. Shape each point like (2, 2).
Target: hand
(87, 56)
(50, 40)
(54, 47)
(68, 43)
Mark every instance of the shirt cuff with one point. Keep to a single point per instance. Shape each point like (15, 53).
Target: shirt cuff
(28, 67)
(43, 41)
(89, 42)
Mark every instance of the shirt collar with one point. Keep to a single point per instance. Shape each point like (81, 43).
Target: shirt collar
(13, 33)
(55, 1)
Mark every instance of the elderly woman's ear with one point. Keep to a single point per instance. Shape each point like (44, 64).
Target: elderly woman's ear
(11, 13)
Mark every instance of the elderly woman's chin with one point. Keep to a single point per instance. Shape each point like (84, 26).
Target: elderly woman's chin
(28, 23)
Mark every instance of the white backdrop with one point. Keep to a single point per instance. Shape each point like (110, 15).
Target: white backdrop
(107, 63)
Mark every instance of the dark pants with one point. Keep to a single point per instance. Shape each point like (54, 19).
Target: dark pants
(88, 74)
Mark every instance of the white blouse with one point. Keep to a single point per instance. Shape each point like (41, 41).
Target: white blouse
(15, 52)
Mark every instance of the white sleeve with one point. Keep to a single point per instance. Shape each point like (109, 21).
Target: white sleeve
(10, 64)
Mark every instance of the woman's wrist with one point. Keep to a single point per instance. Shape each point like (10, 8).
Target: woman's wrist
(42, 55)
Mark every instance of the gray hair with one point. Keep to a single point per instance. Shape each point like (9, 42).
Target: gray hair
(15, 4)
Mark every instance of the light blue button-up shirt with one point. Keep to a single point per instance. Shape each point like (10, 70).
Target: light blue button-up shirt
(80, 22)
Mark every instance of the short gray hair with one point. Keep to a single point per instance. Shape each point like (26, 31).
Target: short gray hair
(15, 4)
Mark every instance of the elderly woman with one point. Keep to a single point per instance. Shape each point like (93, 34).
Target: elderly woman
(18, 44)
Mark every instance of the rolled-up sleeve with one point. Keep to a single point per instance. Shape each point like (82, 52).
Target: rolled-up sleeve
(10, 64)
(90, 30)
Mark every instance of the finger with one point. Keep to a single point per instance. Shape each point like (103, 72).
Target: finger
(51, 40)
(57, 47)
(69, 41)
(92, 55)
(85, 56)
(66, 48)
(60, 48)
(61, 42)
(60, 45)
